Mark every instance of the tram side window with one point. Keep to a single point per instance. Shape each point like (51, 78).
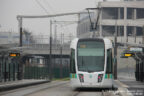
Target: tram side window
(72, 61)
(109, 61)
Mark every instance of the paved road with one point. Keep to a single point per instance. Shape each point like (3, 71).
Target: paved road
(56, 88)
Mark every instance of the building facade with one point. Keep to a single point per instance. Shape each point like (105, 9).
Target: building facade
(124, 17)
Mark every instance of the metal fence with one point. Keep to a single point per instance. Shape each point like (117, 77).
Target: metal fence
(37, 67)
(10, 67)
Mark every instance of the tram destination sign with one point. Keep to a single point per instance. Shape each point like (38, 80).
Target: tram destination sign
(134, 49)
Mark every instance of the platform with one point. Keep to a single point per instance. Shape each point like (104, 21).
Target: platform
(20, 83)
(129, 86)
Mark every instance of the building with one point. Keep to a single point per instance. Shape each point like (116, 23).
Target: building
(7, 37)
(127, 17)
(11, 39)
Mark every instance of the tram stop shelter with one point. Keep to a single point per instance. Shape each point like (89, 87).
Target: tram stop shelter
(138, 54)
(10, 64)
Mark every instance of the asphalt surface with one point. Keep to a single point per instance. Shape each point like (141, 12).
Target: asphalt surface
(55, 88)
(19, 84)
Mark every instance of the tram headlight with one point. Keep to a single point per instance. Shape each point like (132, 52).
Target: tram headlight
(100, 76)
(81, 77)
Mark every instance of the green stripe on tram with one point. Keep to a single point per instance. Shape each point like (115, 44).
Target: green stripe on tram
(70, 75)
(105, 76)
(111, 76)
(73, 75)
(108, 76)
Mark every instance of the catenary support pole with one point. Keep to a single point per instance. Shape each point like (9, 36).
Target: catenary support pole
(50, 54)
(61, 48)
(20, 30)
(143, 35)
(115, 52)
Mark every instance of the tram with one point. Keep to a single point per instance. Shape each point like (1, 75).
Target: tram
(91, 63)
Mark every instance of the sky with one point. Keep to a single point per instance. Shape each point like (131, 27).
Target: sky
(9, 9)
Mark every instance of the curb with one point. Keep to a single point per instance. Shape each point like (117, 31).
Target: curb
(11, 87)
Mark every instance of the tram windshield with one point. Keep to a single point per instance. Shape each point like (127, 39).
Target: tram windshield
(90, 56)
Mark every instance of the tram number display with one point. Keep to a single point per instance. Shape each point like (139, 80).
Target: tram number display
(14, 54)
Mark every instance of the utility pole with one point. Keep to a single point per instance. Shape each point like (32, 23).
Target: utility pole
(115, 52)
(20, 30)
(70, 37)
(20, 43)
(61, 75)
(50, 54)
(55, 35)
(143, 35)
(63, 38)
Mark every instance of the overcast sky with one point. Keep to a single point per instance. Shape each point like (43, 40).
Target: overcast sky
(9, 9)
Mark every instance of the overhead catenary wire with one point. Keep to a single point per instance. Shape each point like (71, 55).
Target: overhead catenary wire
(50, 6)
(46, 10)
(38, 2)
(42, 6)
(64, 29)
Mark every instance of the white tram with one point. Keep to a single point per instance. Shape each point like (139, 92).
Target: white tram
(91, 63)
